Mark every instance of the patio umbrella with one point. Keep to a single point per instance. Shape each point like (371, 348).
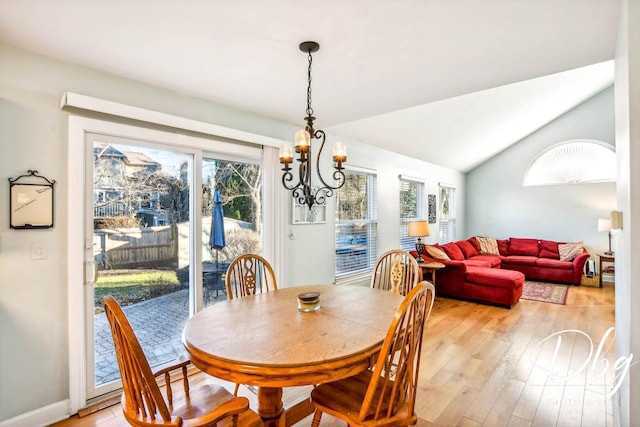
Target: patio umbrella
(217, 239)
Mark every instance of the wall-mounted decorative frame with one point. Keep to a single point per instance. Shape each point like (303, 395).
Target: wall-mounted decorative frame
(301, 214)
(432, 208)
(30, 201)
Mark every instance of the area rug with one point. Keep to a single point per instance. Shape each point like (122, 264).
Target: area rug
(545, 292)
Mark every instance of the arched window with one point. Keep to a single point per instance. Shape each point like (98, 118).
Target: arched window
(573, 162)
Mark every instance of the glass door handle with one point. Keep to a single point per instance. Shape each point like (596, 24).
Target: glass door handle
(90, 272)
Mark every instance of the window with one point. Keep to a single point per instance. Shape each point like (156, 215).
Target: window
(573, 162)
(447, 214)
(412, 207)
(356, 224)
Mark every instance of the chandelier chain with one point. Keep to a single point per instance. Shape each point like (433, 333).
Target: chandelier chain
(309, 109)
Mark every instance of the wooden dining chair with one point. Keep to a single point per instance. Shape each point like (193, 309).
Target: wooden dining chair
(143, 403)
(249, 274)
(396, 271)
(385, 395)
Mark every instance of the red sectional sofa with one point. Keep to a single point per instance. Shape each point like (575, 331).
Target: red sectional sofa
(494, 271)
(541, 260)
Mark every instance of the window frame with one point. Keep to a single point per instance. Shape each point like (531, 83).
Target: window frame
(371, 222)
(408, 243)
(447, 224)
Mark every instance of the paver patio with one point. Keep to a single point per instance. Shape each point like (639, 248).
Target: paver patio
(158, 324)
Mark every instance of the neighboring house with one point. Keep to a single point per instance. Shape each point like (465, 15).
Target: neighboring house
(127, 183)
(109, 183)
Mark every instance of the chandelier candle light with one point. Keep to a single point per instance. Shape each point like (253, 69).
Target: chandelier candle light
(419, 229)
(303, 191)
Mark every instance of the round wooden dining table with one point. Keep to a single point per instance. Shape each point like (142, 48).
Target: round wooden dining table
(264, 341)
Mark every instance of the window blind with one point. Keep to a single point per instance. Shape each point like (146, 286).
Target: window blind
(356, 225)
(412, 208)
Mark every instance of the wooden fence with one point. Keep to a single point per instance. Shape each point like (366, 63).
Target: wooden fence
(134, 247)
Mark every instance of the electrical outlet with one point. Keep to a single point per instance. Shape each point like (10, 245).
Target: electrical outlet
(37, 251)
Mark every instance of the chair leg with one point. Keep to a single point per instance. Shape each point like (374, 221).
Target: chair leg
(235, 390)
(206, 295)
(316, 418)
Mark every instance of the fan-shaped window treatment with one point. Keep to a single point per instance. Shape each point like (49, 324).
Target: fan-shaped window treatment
(573, 162)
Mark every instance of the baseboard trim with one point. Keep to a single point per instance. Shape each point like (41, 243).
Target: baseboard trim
(40, 417)
(99, 406)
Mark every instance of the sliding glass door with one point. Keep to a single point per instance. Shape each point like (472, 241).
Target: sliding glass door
(150, 214)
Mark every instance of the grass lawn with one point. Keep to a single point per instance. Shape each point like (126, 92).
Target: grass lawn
(132, 286)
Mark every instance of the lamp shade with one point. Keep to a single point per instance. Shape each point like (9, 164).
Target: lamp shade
(604, 224)
(339, 150)
(418, 229)
(302, 141)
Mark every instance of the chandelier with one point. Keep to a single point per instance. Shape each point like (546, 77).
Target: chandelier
(303, 191)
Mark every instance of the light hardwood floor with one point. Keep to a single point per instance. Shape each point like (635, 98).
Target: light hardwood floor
(483, 366)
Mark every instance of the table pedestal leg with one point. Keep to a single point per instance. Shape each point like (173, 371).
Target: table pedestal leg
(270, 406)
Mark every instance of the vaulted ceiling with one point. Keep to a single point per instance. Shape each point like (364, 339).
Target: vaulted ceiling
(452, 82)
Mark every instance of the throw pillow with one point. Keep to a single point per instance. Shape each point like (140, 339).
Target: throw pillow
(503, 247)
(436, 253)
(528, 247)
(453, 251)
(568, 251)
(474, 242)
(549, 249)
(468, 250)
(488, 245)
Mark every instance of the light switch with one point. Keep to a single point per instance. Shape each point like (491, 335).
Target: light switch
(37, 251)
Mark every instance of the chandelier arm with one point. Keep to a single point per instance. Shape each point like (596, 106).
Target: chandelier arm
(301, 197)
(339, 176)
(302, 191)
(286, 178)
(319, 134)
(322, 194)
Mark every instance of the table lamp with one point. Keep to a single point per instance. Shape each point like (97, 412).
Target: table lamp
(419, 229)
(604, 224)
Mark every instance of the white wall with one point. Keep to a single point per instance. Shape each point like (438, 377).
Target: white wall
(308, 265)
(33, 294)
(627, 109)
(498, 205)
(33, 135)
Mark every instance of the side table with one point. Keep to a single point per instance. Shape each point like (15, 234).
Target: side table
(430, 267)
(605, 258)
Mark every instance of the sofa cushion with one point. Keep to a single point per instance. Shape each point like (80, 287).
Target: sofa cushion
(488, 245)
(527, 247)
(436, 253)
(503, 247)
(554, 263)
(494, 277)
(477, 262)
(453, 251)
(519, 259)
(549, 249)
(467, 248)
(493, 260)
(568, 251)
